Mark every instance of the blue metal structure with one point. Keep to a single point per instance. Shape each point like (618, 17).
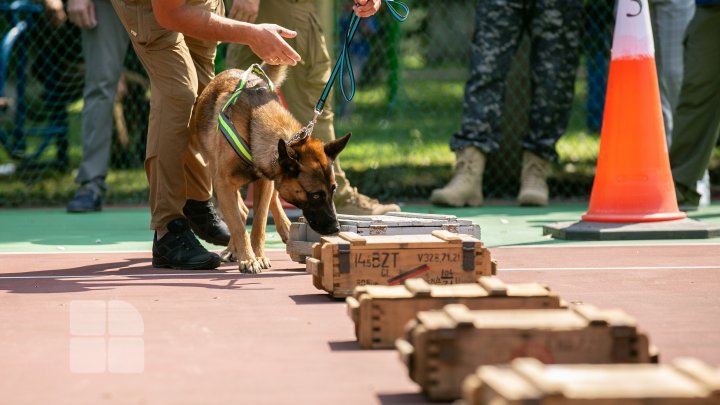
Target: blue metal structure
(14, 55)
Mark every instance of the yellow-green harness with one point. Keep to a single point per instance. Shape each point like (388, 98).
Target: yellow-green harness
(226, 126)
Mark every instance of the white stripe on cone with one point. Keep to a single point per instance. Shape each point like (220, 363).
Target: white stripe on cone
(633, 36)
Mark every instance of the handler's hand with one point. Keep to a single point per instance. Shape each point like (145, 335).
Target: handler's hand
(366, 8)
(270, 46)
(245, 10)
(82, 13)
(55, 12)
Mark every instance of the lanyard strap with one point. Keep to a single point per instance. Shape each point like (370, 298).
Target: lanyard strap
(343, 61)
(226, 126)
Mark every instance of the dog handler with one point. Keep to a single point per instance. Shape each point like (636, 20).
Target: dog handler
(176, 40)
(306, 82)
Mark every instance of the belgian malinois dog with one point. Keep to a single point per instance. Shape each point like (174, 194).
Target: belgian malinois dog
(298, 169)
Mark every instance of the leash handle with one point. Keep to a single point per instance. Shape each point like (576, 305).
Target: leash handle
(343, 61)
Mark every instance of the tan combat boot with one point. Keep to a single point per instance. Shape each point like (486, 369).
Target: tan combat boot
(465, 188)
(354, 203)
(533, 181)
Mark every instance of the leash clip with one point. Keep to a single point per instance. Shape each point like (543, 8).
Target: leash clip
(305, 131)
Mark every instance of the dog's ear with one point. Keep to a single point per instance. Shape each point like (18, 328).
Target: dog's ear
(287, 158)
(333, 148)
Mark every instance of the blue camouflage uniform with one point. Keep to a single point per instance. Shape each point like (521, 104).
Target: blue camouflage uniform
(554, 30)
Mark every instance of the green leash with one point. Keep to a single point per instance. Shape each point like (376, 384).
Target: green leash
(343, 63)
(226, 126)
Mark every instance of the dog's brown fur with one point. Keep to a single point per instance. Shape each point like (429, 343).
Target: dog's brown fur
(301, 173)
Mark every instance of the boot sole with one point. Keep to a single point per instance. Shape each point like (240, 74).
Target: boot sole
(474, 201)
(81, 210)
(532, 200)
(209, 264)
(208, 239)
(214, 241)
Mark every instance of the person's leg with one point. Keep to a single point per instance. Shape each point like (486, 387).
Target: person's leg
(697, 118)
(670, 19)
(304, 85)
(199, 184)
(104, 49)
(173, 86)
(199, 209)
(498, 29)
(554, 56)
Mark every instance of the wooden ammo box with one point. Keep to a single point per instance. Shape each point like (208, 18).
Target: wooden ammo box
(527, 381)
(302, 237)
(441, 348)
(341, 263)
(380, 313)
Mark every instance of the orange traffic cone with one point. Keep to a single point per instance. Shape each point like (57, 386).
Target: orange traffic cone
(633, 196)
(633, 182)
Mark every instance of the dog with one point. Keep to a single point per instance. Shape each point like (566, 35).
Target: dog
(298, 170)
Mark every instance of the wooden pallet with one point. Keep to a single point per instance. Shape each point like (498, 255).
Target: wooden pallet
(341, 263)
(684, 382)
(380, 313)
(302, 237)
(441, 348)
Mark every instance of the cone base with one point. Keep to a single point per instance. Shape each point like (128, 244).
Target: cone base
(679, 229)
(615, 217)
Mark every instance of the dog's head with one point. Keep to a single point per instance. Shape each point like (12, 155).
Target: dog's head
(306, 180)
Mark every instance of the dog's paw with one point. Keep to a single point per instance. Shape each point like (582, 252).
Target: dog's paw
(283, 229)
(252, 266)
(228, 256)
(264, 262)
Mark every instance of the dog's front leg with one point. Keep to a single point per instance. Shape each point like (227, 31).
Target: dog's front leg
(261, 202)
(282, 222)
(235, 213)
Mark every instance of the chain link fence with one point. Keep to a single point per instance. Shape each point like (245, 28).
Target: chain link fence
(410, 82)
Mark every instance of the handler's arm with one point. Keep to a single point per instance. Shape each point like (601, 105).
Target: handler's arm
(265, 40)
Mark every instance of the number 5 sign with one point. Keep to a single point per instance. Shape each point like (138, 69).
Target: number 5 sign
(633, 33)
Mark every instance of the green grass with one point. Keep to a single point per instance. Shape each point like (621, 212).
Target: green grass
(399, 150)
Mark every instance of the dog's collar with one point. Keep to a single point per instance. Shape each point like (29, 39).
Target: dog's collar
(225, 125)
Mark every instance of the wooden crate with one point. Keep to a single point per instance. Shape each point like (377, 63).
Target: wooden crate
(380, 313)
(341, 263)
(684, 382)
(302, 237)
(441, 348)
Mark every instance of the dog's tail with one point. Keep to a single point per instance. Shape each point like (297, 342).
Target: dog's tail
(276, 73)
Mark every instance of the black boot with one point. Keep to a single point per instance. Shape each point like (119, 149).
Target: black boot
(179, 249)
(205, 222)
(88, 198)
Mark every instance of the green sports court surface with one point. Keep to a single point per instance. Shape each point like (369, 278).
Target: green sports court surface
(126, 229)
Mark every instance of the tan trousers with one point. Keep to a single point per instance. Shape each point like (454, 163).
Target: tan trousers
(179, 68)
(305, 81)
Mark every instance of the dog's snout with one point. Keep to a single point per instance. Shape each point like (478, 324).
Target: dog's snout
(322, 222)
(333, 229)
(326, 229)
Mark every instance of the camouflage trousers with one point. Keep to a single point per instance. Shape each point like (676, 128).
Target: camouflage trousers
(554, 30)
